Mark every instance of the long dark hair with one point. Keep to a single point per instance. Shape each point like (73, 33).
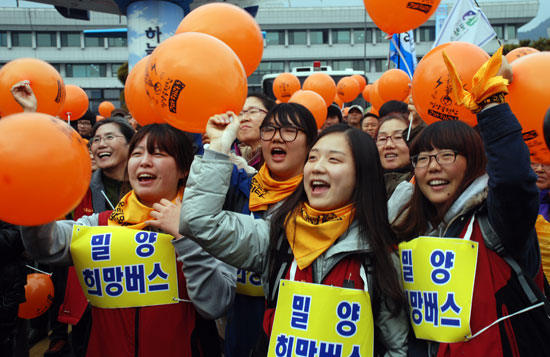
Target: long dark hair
(371, 214)
(452, 135)
(170, 140)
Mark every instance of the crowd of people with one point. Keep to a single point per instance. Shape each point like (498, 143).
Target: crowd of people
(273, 202)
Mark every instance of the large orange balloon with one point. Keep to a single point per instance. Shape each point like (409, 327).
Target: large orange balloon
(105, 108)
(285, 85)
(314, 103)
(361, 80)
(49, 168)
(376, 99)
(45, 81)
(136, 96)
(76, 103)
(39, 293)
(366, 92)
(394, 84)
(323, 84)
(347, 89)
(193, 76)
(396, 16)
(431, 88)
(519, 52)
(529, 99)
(232, 25)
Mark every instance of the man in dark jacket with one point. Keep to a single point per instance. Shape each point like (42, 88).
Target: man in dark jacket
(12, 284)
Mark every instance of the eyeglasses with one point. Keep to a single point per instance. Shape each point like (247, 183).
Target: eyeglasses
(288, 133)
(442, 158)
(395, 138)
(252, 113)
(84, 123)
(109, 138)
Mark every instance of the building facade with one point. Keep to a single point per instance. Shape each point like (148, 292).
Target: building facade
(340, 37)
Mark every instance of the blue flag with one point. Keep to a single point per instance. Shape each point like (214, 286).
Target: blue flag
(402, 52)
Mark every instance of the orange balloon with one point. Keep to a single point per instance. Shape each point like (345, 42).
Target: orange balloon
(374, 110)
(366, 92)
(99, 118)
(361, 80)
(519, 52)
(45, 81)
(39, 293)
(49, 168)
(231, 24)
(394, 84)
(431, 89)
(285, 85)
(376, 99)
(137, 101)
(105, 108)
(338, 101)
(323, 84)
(314, 103)
(348, 89)
(193, 76)
(396, 16)
(529, 99)
(76, 103)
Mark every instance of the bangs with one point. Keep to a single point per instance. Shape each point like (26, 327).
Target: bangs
(443, 135)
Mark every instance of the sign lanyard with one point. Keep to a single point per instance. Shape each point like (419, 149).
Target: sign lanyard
(294, 267)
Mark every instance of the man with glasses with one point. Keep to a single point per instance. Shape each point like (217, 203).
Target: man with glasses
(85, 124)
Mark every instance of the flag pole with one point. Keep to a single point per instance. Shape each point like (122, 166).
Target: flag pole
(496, 34)
(402, 57)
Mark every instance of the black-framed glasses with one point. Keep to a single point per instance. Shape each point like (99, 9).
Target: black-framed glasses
(288, 133)
(395, 138)
(109, 138)
(252, 113)
(446, 157)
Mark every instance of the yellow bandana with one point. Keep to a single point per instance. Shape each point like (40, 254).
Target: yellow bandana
(484, 84)
(264, 190)
(310, 232)
(131, 213)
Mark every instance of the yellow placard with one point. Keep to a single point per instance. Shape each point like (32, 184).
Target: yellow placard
(438, 277)
(120, 267)
(249, 283)
(317, 320)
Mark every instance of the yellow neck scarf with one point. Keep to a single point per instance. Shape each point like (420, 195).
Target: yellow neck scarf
(131, 213)
(310, 232)
(264, 190)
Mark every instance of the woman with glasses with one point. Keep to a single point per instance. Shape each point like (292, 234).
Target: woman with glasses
(479, 189)
(393, 151)
(159, 160)
(285, 134)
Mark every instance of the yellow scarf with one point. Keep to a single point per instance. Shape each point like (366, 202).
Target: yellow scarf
(131, 213)
(310, 232)
(485, 82)
(264, 190)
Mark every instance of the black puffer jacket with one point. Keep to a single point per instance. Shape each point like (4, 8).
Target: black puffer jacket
(13, 275)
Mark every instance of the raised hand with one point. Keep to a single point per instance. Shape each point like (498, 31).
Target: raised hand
(222, 131)
(23, 94)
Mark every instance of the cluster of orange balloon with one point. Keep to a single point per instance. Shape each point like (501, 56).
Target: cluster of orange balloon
(322, 84)
(202, 70)
(46, 82)
(284, 86)
(39, 294)
(396, 16)
(49, 168)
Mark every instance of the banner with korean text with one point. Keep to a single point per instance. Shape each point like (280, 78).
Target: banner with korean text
(438, 277)
(321, 320)
(120, 267)
(249, 283)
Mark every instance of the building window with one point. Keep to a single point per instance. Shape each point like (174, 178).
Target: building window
(57, 66)
(3, 39)
(94, 41)
(499, 29)
(111, 93)
(86, 70)
(114, 69)
(511, 32)
(118, 41)
(46, 39)
(70, 39)
(318, 37)
(427, 34)
(341, 36)
(296, 37)
(275, 37)
(360, 35)
(263, 69)
(21, 39)
(357, 65)
(381, 64)
(381, 36)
